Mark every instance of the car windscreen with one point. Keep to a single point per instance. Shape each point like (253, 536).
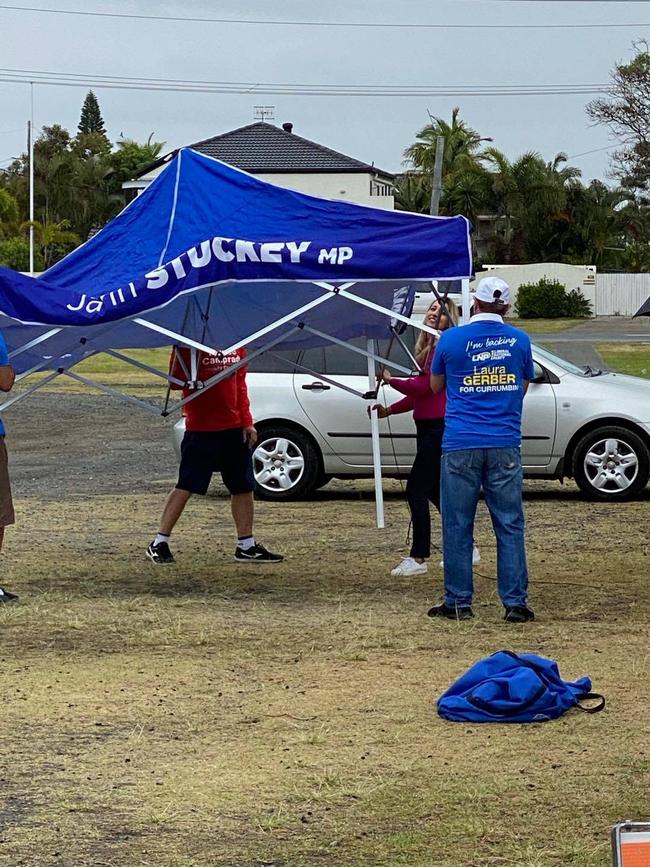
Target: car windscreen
(545, 355)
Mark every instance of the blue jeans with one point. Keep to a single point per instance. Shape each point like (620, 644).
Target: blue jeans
(499, 473)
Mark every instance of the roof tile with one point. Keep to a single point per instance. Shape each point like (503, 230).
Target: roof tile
(263, 147)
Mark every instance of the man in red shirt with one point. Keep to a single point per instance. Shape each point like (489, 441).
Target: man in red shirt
(219, 437)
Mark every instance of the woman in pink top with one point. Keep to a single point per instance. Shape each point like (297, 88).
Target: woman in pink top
(423, 485)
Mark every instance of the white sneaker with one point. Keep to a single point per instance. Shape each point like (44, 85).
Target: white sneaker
(408, 567)
(476, 557)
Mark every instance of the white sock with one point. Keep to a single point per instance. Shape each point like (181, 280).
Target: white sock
(246, 542)
(161, 537)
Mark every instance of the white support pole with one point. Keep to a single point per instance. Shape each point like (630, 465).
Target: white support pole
(465, 302)
(391, 314)
(376, 445)
(378, 358)
(176, 338)
(34, 342)
(289, 318)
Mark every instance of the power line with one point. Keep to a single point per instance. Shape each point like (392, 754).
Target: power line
(22, 76)
(594, 151)
(267, 22)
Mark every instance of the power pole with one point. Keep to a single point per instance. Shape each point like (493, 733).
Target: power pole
(436, 186)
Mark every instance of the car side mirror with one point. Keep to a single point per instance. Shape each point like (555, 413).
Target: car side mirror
(540, 374)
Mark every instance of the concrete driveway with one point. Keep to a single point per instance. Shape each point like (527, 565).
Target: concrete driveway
(603, 329)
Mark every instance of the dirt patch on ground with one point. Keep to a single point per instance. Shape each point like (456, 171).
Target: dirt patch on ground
(211, 714)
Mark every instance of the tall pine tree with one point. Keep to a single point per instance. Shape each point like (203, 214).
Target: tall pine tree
(91, 121)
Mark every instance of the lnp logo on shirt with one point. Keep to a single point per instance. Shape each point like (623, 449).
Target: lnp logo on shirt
(489, 377)
(493, 355)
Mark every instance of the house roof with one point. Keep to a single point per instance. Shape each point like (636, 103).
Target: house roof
(263, 147)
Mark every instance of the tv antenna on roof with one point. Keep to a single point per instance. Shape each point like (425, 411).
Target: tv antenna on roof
(264, 112)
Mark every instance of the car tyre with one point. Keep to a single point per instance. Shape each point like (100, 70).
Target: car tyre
(611, 464)
(286, 463)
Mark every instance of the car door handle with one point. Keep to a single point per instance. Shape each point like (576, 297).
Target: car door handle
(316, 386)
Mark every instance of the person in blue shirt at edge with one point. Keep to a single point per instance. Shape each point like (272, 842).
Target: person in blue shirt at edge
(486, 367)
(7, 376)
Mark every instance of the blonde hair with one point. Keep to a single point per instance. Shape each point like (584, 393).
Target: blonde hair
(425, 341)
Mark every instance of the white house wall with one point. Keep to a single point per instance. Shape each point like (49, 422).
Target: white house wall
(350, 187)
(346, 186)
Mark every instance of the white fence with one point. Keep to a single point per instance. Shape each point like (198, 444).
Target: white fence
(608, 294)
(620, 294)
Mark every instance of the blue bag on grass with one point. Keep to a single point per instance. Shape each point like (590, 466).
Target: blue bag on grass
(514, 688)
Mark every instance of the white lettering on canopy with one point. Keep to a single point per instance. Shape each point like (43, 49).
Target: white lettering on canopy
(221, 249)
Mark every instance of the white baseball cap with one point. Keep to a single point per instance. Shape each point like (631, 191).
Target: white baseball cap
(493, 290)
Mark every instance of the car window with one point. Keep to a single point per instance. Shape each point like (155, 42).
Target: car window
(269, 362)
(339, 360)
(314, 359)
(333, 359)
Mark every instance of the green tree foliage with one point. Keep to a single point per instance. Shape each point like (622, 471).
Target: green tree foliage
(128, 159)
(532, 210)
(528, 198)
(8, 214)
(52, 240)
(91, 123)
(14, 253)
(626, 111)
(77, 187)
(464, 177)
(413, 192)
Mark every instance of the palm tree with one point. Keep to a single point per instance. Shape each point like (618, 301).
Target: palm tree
(53, 239)
(464, 178)
(460, 141)
(413, 192)
(528, 198)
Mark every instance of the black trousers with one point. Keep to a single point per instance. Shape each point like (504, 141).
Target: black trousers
(423, 485)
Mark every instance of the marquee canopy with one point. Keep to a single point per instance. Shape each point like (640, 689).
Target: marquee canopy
(213, 258)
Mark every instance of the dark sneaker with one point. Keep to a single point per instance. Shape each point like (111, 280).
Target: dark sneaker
(256, 554)
(160, 553)
(6, 597)
(464, 613)
(519, 615)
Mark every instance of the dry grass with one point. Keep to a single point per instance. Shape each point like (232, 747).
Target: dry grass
(630, 358)
(545, 326)
(211, 714)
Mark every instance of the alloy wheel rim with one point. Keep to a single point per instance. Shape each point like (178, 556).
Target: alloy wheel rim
(611, 465)
(278, 464)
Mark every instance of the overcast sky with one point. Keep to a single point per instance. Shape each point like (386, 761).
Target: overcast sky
(369, 128)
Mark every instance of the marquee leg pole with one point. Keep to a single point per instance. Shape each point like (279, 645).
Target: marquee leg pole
(376, 446)
(466, 302)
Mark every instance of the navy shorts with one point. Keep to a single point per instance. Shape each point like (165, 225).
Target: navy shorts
(206, 452)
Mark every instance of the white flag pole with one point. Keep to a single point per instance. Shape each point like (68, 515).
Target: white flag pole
(31, 179)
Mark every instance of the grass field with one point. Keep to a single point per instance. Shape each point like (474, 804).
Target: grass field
(109, 371)
(544, 326)
(209, 714)
(630, 358)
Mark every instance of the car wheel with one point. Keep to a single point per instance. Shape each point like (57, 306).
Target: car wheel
(285, 464)
(611, 463)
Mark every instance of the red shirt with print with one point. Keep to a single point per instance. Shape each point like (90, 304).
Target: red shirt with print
(224, 405)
